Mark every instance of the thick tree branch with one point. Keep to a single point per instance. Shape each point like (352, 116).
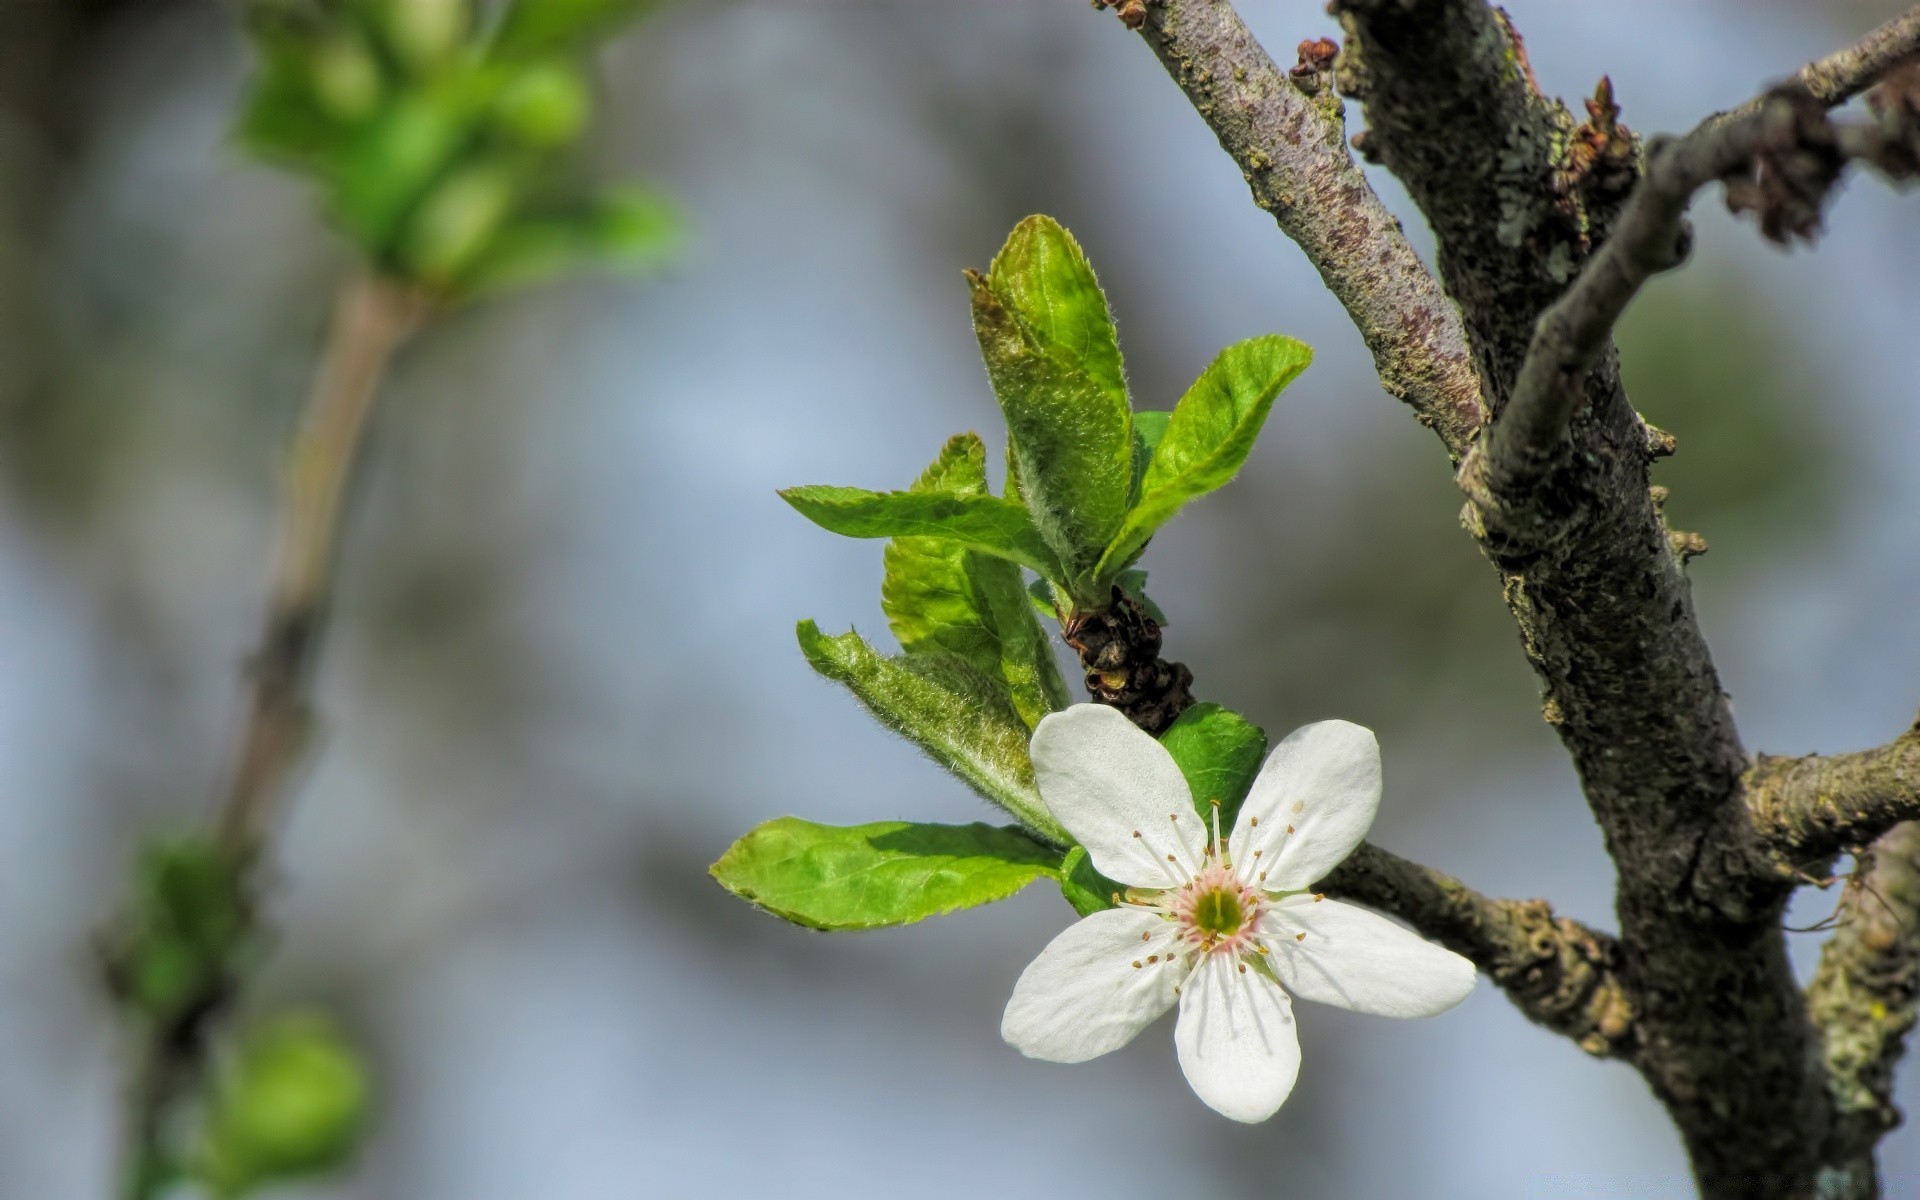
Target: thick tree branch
(1288, 136)
(1806, 810)
(1864, 999)
(1557, 972)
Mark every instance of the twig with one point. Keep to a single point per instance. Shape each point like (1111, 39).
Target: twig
(1806, 810)
(1779, 156)
(1864, 999)
(1287, 135)
(1559, 973)
(371, 318)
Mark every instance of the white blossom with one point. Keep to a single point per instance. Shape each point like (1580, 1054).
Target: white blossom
(1224, 927)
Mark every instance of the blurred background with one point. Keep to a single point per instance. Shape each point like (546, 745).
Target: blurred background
(563, 676)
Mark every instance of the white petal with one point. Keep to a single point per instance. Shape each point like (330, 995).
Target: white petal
(1119, 793)
(1083, 996)
(1360, 960)
(1323, 783)
(1236, 1038)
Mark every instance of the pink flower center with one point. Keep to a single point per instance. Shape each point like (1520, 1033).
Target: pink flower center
(1215, 911)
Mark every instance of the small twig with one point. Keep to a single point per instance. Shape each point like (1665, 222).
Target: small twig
(1558, 973)
(371, 318)
(1844, 74)
(1864, 999)
(1806, 810)
(1779, 156)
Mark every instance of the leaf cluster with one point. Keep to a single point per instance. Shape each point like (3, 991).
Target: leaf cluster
(1089, 482)
(441, 138)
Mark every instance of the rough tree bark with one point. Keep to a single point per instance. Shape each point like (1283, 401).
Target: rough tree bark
(1546, 228)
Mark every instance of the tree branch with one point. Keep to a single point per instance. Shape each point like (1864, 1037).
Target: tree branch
(1288, 135)
(371, 318)
(1864, 999)
(1559, 973)
(1806, 810)
(1800, 156)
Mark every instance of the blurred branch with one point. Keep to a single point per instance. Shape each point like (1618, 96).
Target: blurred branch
(371, 318)
(1287, 133)
(1864, 999)
(1559, 973)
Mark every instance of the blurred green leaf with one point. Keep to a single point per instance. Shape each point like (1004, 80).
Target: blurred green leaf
(423, 33)
(939, 594)
(1208, 437)
(454, 224)
(187, 927)
(886, 873)
(384, 171)
(1051, 354)
(959, 717)
(538, 27)
(629, 229)
(986, 523)
(1219, 751)
(545, 104)
(1085, 888)
(292, 1104)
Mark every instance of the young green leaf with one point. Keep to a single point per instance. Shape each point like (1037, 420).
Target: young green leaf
(1085, 888)
(938, 594)
(1051, 354)
(986, 523)
(886, 873)
(627, 229)
(187, 932)
(1133, 581)
(1219, 751)
(535, 27)
(947, 708)
(292, 1104)
(1208, 437)
(1149, 426)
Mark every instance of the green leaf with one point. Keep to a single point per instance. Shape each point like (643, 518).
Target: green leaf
(383, 172)
(1133, 581)
(947, 708)
(628, 229)
(1209, 436)
(886, 873)
(292, 1104)
(938, 594)
(1040, 592)
(187, 928)
(1051, 354)
(1085, 888)
(1148, 428)
(534, 27)
(1219, 751)
(986, 523)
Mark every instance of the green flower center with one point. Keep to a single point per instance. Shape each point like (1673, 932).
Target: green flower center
(1218, 912)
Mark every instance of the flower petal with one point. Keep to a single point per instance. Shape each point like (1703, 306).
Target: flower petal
(1312, 802)
(1118, 792)
(1356, 959)
(1236, 1038)
(1085, 996)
